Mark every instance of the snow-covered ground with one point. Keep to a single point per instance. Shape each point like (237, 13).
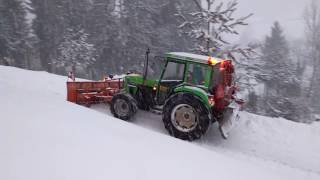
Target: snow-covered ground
(44, 137)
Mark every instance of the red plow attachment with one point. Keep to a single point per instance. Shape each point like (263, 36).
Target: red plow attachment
(93, 92)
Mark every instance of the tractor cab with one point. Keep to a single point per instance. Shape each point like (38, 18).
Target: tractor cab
(210, 75)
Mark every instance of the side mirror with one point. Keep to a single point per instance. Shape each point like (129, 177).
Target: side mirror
(111, 76)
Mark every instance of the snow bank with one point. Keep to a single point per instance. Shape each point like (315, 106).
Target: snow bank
(44, 137)
(275, 139)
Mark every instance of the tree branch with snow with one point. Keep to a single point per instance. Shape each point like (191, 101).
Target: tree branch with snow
(209, 25)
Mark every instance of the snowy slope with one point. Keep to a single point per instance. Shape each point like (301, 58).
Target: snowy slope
(44, 137)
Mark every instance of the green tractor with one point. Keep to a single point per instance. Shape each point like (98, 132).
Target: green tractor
(190, 91)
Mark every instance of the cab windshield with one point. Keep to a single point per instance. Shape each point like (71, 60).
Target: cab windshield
(156, 67)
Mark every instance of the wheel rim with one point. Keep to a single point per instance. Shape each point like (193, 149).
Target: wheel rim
(184, 118)
(121, 107)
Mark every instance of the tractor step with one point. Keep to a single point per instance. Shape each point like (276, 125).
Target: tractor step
(156, 110)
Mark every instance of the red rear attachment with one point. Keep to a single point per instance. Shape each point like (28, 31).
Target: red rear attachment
(93, 92)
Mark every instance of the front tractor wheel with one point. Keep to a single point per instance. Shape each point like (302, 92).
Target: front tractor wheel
(185, 117)
(123, 106)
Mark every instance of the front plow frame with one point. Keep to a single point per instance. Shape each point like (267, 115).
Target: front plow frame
(230, 118)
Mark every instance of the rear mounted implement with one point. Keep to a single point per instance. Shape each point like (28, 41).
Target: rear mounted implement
(93, 92)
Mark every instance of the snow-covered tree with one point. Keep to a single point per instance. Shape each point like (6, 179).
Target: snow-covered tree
(148, 24)
(75, 50)
(49, 24)
(282, 86)
(101, 22)
(312, 29)
(250, 75)
(210, 24)
(15, 40)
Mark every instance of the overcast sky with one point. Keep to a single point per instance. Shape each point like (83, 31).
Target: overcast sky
(288, 12)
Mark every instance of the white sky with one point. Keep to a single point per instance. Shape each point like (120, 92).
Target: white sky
(288, 12)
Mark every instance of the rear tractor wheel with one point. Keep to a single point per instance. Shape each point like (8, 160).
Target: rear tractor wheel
(123, 106)
(185, 117)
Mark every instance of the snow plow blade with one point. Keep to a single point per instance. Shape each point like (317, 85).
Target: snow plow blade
(230, 119)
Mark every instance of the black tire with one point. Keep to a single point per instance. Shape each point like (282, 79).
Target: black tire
(123, 106)
(142, 104)
(201, 113)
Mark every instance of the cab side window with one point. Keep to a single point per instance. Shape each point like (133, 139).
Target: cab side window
(174, 71)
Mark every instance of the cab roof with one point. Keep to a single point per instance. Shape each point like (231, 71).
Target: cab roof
(184, 56)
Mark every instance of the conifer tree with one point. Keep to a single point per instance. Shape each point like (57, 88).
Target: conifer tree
(75, 51)
(282, 87)
(14, 33)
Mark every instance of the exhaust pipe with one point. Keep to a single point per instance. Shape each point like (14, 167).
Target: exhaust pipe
(146, 64)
